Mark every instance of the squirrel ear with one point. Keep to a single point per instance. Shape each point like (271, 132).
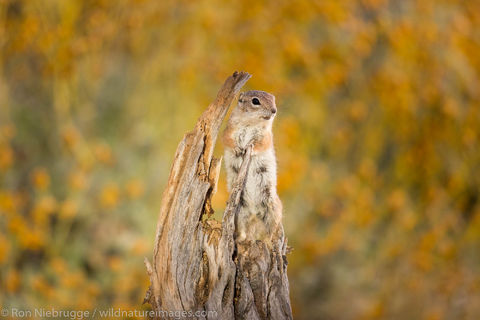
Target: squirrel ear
(240, 97)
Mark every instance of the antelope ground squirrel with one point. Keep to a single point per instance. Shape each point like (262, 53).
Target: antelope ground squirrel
(260, 211)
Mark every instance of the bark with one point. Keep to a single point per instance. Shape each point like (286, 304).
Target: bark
(197, 266)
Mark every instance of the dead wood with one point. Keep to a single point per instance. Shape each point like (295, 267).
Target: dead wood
(197, 266)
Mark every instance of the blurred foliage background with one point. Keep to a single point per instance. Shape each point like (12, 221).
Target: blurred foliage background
(377, 139)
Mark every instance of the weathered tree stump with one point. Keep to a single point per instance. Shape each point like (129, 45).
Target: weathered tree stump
(197, 266)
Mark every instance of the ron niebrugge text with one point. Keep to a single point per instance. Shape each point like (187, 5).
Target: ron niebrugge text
(96, 313)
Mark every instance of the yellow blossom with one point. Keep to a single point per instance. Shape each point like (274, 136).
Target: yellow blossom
(72, 279)
(435, 314)
(134, 188)
(376, 311)
(40, 178)
(103, 153)
(396, 200)
(77, 180)
(68, 209)
(93, 289)
(140, 247)
(12, 281)
(70, 136)
(43, 209)
(58, 265)
(422, 260)
(40, 285)
(4, 249)
(32, 239)
(17, 225)
(109, 196)
(115, 263)
(7, 201)
(6, 157)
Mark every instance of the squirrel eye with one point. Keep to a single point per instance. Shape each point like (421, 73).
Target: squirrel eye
(256, 101)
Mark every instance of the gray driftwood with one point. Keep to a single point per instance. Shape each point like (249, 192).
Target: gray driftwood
(197, 266)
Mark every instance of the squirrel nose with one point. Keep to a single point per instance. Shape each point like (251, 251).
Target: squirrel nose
(274, 110)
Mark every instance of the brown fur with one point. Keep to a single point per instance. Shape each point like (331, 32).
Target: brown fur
(264, 144)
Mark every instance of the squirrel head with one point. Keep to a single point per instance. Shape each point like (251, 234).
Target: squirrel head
(255, 105)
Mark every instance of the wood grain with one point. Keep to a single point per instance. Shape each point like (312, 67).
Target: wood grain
(197, 266)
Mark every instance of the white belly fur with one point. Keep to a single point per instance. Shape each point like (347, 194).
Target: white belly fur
(259, 211)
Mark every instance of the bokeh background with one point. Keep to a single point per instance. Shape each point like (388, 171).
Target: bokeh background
(377, 139)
